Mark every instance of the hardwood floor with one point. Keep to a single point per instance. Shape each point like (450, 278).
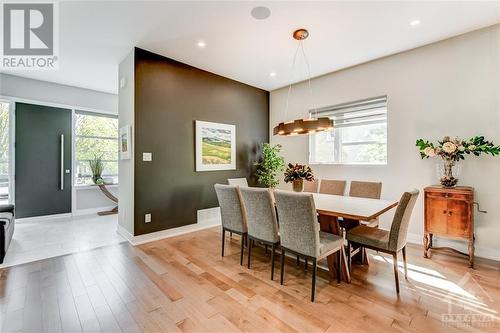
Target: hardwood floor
(182, 284)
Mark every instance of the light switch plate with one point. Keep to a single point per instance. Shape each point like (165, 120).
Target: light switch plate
(147, 218)
(147, 157)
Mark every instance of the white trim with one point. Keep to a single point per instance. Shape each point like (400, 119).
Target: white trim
(43, 218)
(207, 218)
(91, 211)
(480, 251)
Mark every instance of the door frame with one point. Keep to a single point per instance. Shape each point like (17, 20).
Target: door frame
(12, 146)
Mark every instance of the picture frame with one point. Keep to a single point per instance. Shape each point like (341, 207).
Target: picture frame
(215, 146)
(125, 142)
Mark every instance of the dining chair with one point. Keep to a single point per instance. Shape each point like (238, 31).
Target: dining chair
(370, 190)
(387, 241)
(300, 234)
(233, 217)
(242, 182)
(261, 220)
(329, 186)
(311, 186)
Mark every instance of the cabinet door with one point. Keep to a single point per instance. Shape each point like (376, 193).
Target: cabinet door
(436, 214)
(459, 219)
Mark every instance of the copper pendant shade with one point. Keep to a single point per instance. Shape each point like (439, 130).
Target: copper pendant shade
(302, 126)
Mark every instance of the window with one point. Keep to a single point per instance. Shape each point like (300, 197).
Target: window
(359, 135)
(4, 151)
(95, 135)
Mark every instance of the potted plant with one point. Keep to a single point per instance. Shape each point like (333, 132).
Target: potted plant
(269, 165)
(452, 151)
(296, 174)
(96, 166)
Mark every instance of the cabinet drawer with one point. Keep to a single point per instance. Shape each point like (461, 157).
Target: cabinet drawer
(447, 195)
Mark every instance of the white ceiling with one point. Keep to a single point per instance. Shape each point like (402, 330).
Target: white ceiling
(96, 36)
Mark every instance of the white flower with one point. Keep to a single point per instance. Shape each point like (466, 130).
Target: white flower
(472, 147)
(461, 148)
(429, 151)
(449, 147)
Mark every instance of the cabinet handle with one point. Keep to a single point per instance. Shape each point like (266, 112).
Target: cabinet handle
(449, 213)
(444, 212)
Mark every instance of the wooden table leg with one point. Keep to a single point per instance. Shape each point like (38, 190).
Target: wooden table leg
(330, 224)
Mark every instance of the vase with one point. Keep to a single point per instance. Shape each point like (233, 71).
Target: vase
(298, 185)
(448, 171)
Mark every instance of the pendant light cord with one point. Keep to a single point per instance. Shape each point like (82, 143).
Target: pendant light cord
(291, 79)
(308, 80)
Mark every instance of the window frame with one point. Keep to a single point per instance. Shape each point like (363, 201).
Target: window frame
(76, 136)
(379, 102)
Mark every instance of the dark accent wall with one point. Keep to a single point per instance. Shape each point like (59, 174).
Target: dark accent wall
(169, 97)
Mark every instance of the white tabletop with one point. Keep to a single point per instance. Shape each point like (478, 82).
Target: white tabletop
(351, 207)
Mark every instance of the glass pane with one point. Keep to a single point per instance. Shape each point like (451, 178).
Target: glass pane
(323, 147)
(96, 126)
(87, 148)
(369, 132)
(374, 153)
(4, 152)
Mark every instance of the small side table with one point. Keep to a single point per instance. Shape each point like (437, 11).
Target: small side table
(449, 213)
(110, 196)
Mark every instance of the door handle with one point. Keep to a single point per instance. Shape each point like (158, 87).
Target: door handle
(62, 162)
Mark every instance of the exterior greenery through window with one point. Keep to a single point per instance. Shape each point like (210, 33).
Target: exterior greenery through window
(4, 151)
(96, 135)
(359, 135)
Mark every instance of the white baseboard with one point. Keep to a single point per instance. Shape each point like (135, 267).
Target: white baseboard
(90, 211)
(462, 246)
(207, 218)
(43, 218)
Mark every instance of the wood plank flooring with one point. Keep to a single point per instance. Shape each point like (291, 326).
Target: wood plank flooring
(182, 284)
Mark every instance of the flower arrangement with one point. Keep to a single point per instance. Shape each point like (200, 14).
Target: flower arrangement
(269, 165)
(96, 166)
(296, 174)
(454, 150)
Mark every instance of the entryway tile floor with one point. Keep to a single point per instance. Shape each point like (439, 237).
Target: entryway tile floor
(49, 238)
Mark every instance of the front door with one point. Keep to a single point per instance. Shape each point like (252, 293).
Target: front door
(42, 160)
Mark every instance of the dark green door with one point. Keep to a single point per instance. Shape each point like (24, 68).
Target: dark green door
(42, 160)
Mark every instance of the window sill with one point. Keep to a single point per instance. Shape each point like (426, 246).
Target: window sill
(88, 187)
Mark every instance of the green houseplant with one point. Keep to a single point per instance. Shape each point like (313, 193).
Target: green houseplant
(452, 151)
(296, 174)
(96, 166)
(269, 165)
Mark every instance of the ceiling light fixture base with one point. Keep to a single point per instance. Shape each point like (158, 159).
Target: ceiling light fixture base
(300, 34)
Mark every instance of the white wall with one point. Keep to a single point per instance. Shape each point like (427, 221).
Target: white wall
(126, 167)
(89, 199)
(447, 88)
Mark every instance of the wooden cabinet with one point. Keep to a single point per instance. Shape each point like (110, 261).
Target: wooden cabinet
(449, 214)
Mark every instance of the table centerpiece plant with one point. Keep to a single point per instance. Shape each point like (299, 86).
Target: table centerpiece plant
(269, 165)
(296, 174)
(452, 151)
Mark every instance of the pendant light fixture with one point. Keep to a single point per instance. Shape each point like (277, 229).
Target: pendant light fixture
(306, 125)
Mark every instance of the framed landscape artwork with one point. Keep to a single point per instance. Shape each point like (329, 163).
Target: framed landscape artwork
(125, 142)
(215, 146)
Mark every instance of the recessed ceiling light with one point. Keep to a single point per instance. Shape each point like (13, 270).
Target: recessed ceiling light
(260, 13)
(414, 23)
(272, 74)
(201, 44)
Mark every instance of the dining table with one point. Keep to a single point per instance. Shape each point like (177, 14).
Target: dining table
(331, 208)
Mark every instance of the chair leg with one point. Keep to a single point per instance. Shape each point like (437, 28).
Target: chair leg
(305, 264)
(242, 249)
(405, 263)
(339, 264)
(223, 236)
(230, 234)
(273, 248)
(265, 247)
(282, 265)
(396, 274)
(313, 289)
(349, 256)
(250, 244)
(362, 254)
(298, 261)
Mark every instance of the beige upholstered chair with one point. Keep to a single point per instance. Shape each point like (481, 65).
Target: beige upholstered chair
(311, 187)
(233, 217)
(300, 234)
(387, 241)
(241, 182)
(261, 220)
(370, 190)
(335, 187)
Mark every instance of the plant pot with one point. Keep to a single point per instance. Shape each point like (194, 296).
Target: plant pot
(448, 171)
(298, 185)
